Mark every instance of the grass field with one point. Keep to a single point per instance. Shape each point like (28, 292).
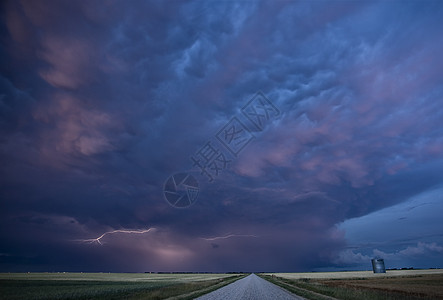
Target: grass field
(109, 285)
(114, 276)
(395, 285)
(356, 274)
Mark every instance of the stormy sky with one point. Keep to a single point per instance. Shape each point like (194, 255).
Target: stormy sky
(102, 101)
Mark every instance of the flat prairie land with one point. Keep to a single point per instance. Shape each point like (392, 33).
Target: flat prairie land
(356, 274)
(418, 286)
(109, 285)
(395, 284)
(151, 277)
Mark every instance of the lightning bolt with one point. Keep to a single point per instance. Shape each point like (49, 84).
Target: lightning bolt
(98, 239)
(229, 236)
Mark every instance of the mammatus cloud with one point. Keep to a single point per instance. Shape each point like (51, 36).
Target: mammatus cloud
(74, 128)
(69, 60)
(101, 102)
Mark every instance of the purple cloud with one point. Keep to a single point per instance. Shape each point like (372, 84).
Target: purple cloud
(102, 101)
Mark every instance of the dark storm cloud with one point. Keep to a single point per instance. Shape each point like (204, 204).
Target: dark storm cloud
(102, 101)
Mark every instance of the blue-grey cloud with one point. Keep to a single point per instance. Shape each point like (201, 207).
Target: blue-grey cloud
(102, 101)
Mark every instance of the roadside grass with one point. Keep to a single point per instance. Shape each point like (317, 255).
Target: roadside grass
(18, 289)
(297, 288)
(205, 290)
(363, 288)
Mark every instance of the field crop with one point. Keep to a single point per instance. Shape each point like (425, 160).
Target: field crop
(404, 284)
(109, 285)
(356, 274)
(169, 277)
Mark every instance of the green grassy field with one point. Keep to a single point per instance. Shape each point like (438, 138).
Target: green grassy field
(109, 285)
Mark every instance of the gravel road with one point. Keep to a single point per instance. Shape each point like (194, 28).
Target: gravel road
(249, 288)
